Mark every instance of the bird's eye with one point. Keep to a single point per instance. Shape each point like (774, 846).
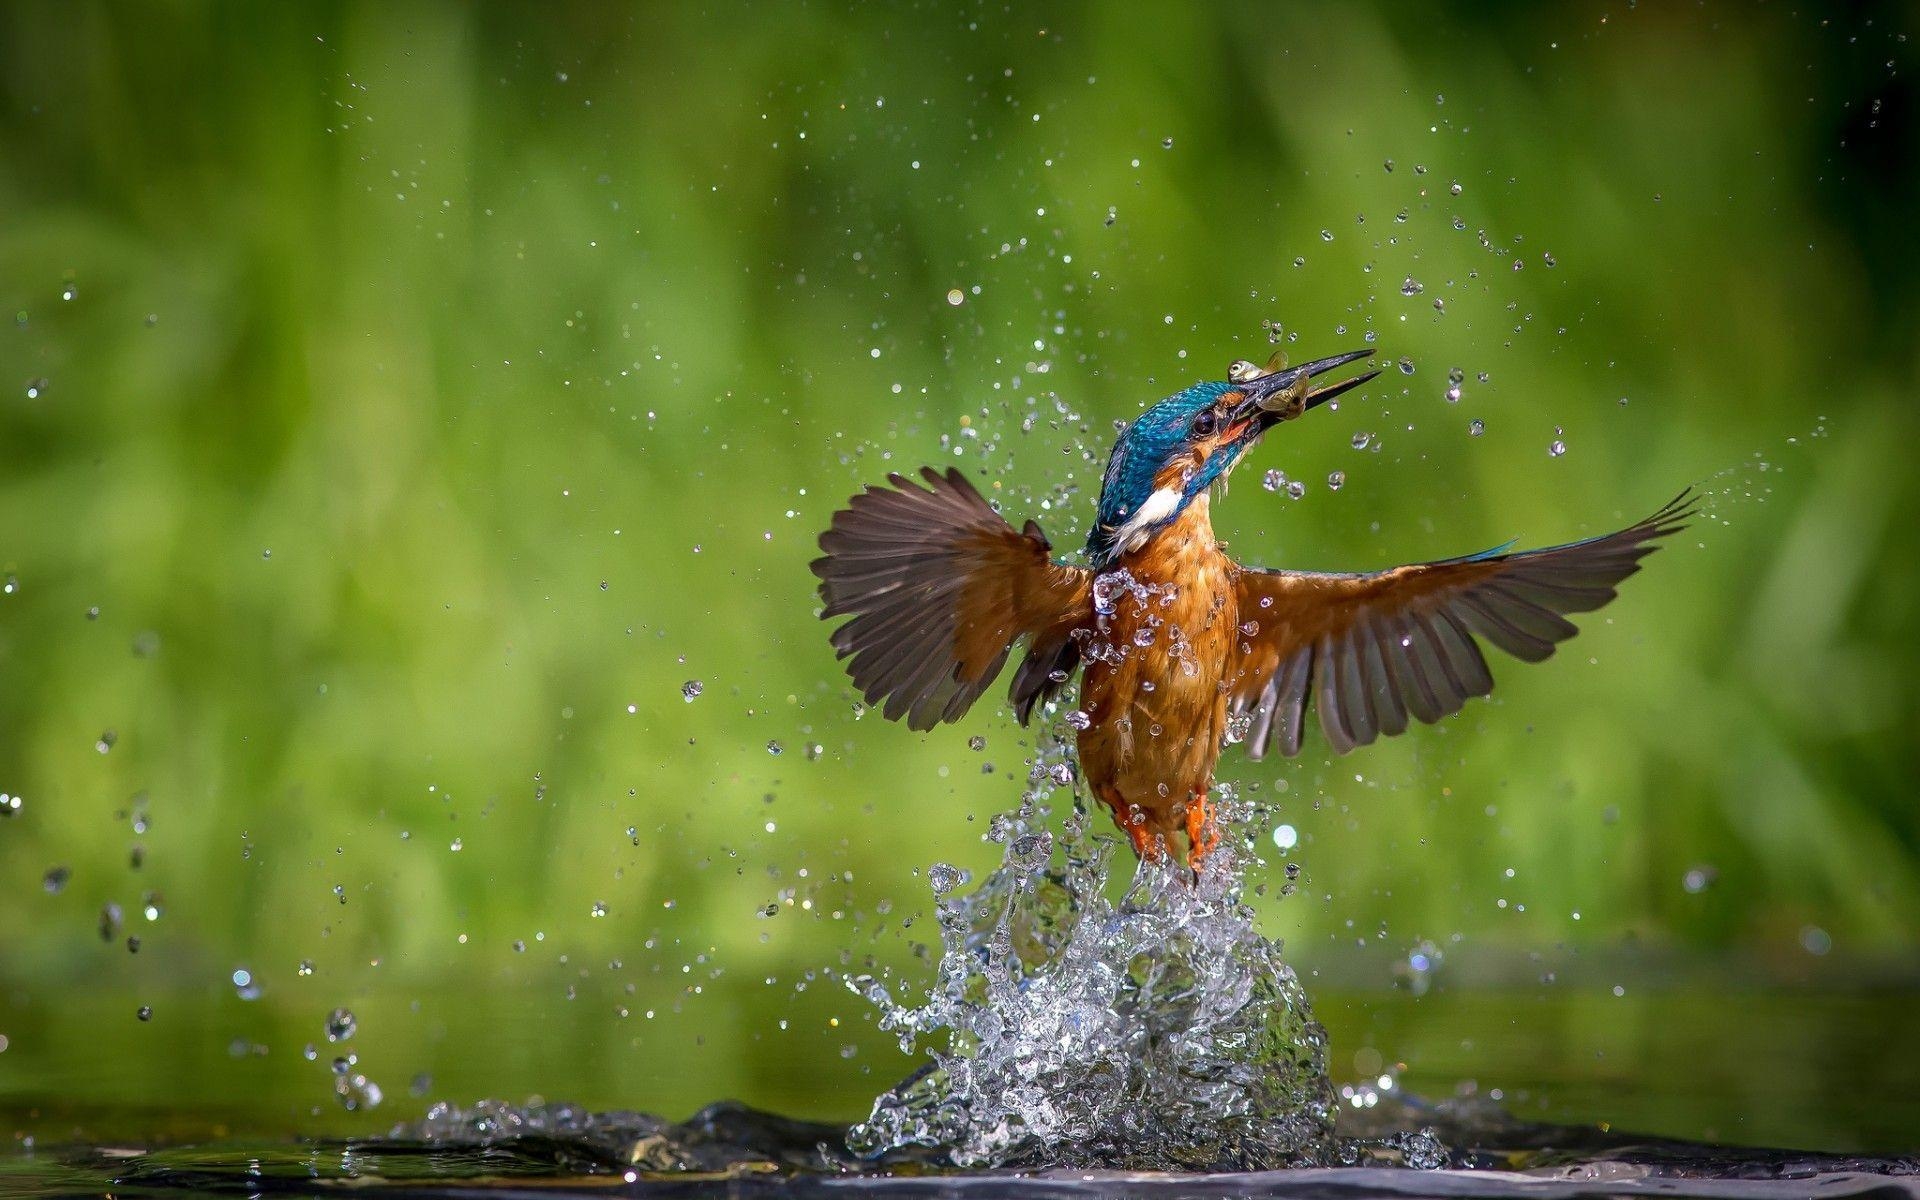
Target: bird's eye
(1204, 423)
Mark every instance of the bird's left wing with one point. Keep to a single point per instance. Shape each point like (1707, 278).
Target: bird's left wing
(1370, 650)
(939, 587)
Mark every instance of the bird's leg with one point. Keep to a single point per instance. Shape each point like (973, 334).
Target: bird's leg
(1203, 835)
(1147, 843)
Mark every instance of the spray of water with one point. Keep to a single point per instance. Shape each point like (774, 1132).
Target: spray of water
(1159, 1031)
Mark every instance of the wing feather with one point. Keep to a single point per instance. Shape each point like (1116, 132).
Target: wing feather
(938, 588)
(1372, 650)
(1389, 702)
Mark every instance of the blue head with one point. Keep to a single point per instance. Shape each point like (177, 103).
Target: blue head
(1183, 445)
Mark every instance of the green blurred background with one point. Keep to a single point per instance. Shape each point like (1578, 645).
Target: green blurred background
(399, 404)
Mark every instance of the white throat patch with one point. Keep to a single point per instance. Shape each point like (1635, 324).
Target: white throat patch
(1133, 531)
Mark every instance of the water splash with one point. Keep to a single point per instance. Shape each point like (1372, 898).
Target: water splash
(1158, 1031)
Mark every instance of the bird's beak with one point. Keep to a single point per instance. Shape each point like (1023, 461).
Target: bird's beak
(1284, 395)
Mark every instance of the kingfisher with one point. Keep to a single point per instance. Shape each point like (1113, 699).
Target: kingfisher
(1180, 649)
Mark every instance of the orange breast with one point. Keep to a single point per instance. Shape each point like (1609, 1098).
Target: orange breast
(1152, 686)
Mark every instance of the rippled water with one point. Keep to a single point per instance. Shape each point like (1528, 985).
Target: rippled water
(730, 1150)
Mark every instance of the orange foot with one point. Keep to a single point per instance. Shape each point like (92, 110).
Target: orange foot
(1147, 842)
(1203, 836)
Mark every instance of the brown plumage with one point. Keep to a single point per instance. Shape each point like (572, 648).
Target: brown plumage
(1173, 638)
(939, 587)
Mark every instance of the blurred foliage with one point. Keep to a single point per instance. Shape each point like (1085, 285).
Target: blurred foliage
(401, 403)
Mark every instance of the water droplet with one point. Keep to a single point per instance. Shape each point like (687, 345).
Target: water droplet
(105, 741)
(9, 804)
(244, 985)
(944, 878)
(1336, 480)
(1166, 143)
(151, 906)
(1412, 287)
(144, 1012)
(599, 908)
(1453, 395)
(1296, 489)
(55, 880)
(341, 1025)
(774, 746)
(356, 1092)
(1556, 448)
(1079, 719)
(306, 967)
(1406, 366)
(691, 689)
(1274, 479)
(1476, 427)
(976, 743)
(1698, 879)
(1030, 850)
(1455, 187)
(1361, 440)
(36, 388)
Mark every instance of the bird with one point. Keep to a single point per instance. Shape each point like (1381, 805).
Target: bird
(1180, 649)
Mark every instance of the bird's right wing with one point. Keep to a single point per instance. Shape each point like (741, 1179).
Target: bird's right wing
(939, 587)
(1370, 650)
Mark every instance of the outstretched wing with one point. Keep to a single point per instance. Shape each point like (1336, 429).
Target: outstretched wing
(939, 587)
(1370, 650)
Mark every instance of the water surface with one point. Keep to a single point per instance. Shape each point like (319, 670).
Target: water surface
(731, 1150)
